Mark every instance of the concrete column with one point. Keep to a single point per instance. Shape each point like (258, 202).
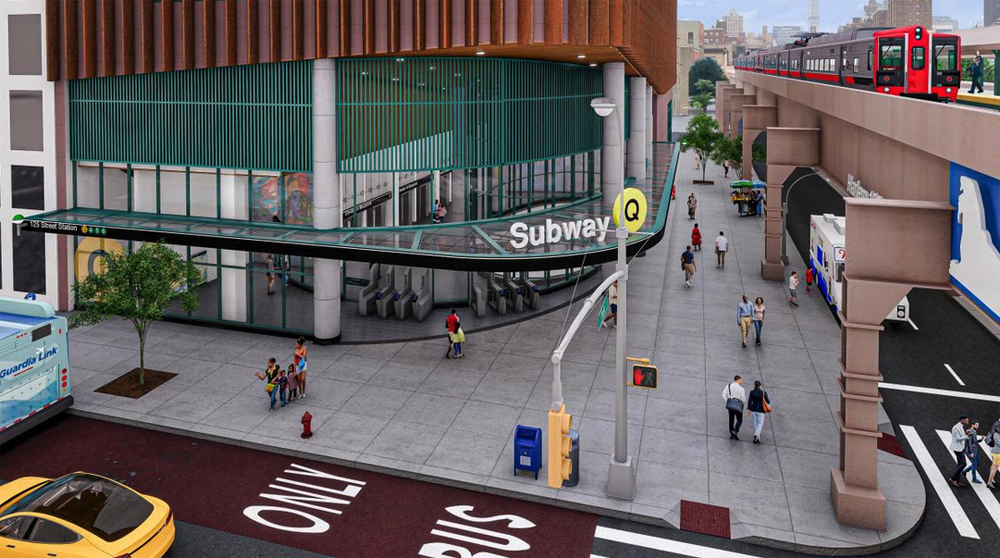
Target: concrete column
(326, 200)
(650, 99)
(233, 203)
(914, 249)
(637, 140)
(661, 118)
(787, 149)
(756, 119)
(612, 171)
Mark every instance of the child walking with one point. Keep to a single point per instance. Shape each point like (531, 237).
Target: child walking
(809, 280)
(293, 384)
(283, 387)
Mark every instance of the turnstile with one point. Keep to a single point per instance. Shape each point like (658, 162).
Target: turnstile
(495, 295)
(384, 302)
(529, 290)
(512, 292)
(404, 290)
(378, 287)
(478, 301)
(421, 300)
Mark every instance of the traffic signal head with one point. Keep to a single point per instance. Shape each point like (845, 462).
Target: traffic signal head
(560, 445)
(644, 376)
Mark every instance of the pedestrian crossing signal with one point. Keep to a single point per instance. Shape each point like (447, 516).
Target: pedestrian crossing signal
(644, 376)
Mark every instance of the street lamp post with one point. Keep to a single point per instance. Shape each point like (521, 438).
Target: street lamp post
(621, 471)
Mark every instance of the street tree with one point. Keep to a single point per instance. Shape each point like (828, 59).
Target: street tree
(707, 69)
(730, 152)
(705, 87)
(701, 136)
(137, 286)
(700, 102)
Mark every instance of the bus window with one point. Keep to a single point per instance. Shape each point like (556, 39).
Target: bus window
(944, 58)
(891, 57)
(917, 56)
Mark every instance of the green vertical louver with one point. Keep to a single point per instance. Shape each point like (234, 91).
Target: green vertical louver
(411, 114)
(242, 117)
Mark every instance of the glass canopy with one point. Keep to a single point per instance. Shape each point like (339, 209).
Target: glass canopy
(537, 242)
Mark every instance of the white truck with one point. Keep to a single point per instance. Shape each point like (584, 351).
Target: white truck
(827, 258)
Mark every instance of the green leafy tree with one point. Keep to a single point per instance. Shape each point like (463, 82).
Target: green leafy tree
(701, 136)
(704, 69)
(730, 152)
(705, 87)
(700, 102)
(137, 286)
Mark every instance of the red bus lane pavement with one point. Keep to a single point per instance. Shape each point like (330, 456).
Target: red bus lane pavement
(311, 505)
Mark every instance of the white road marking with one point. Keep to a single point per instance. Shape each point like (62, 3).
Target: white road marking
(985, 494)
(913, 324)
(939, 485)
(957, 379)
(665, 545)
(945, 392)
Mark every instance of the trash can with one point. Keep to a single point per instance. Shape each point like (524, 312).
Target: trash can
(574, 458)
(527, 449)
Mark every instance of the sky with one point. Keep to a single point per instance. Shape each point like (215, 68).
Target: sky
(832, 13)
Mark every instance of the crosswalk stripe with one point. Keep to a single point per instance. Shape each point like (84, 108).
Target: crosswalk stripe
(665, 545)
(984, 494)
(939, 485)
(944, 392)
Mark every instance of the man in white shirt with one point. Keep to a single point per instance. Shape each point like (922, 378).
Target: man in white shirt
(957, 446)
(721, 247)
(735, 391)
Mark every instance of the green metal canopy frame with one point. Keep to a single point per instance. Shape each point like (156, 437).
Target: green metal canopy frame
(469, 246)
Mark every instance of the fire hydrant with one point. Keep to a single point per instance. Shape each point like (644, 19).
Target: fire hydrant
(307, 425)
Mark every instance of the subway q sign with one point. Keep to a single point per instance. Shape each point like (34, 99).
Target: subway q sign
(552, 232)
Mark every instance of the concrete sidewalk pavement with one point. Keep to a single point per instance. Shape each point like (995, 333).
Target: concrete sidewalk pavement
(404, 408)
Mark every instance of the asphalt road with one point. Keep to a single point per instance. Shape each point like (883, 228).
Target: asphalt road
(947, 335)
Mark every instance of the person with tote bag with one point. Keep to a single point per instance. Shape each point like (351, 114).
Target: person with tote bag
(758, 406)
(736, 401)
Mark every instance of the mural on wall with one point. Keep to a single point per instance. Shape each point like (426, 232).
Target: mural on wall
(266, 194)
(975, 244)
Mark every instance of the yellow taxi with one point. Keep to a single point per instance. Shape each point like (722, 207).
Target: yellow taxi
(81, 515)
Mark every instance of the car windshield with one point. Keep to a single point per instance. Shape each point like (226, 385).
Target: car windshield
(96, 504)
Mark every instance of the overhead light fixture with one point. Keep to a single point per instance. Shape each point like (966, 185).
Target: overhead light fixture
(364, 73)
(581, 56)
(593, 64)
(399, 59)
(395, 79)
(432, 67)
(480, 53)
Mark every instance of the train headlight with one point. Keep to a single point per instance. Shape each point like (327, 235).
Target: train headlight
(947, 90)
(886, 90)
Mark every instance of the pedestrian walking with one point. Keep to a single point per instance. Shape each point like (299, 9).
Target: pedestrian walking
(455, 335)
(758, 317)
(809, 280)
(283, 387)
(976, 71)
(760, 204)
(689, 266)
(972, 451)
(721, 247)
(613, 299)
(301, 364)
(758, 405)
(793, 284)
(958, 438)
(736, 401)
(692, 204)
(725, 168)
(269, 263)
(696, 238)
(270, 377)
(744, 315)
(993, 441)
(293, 384)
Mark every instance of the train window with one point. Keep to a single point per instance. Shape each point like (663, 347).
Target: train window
(944, 58)
(891, 57)
(857, 66)
(869, 59)
(917, 55)
(833, 64)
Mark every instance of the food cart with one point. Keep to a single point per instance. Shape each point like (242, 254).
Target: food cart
(744, 192)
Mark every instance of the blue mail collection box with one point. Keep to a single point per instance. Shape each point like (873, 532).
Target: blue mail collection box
(527, 449)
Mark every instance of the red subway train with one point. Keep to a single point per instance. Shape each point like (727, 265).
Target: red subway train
(907, 61)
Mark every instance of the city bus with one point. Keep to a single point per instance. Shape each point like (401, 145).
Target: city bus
(34, 365)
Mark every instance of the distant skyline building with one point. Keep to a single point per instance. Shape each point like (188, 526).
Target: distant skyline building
(734, 23)
(813, 15)
(945, 24)
(991, 12)
(785, 34)
(904, 13)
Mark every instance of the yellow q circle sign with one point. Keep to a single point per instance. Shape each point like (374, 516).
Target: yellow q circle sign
(90, 255)
(635, 209)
